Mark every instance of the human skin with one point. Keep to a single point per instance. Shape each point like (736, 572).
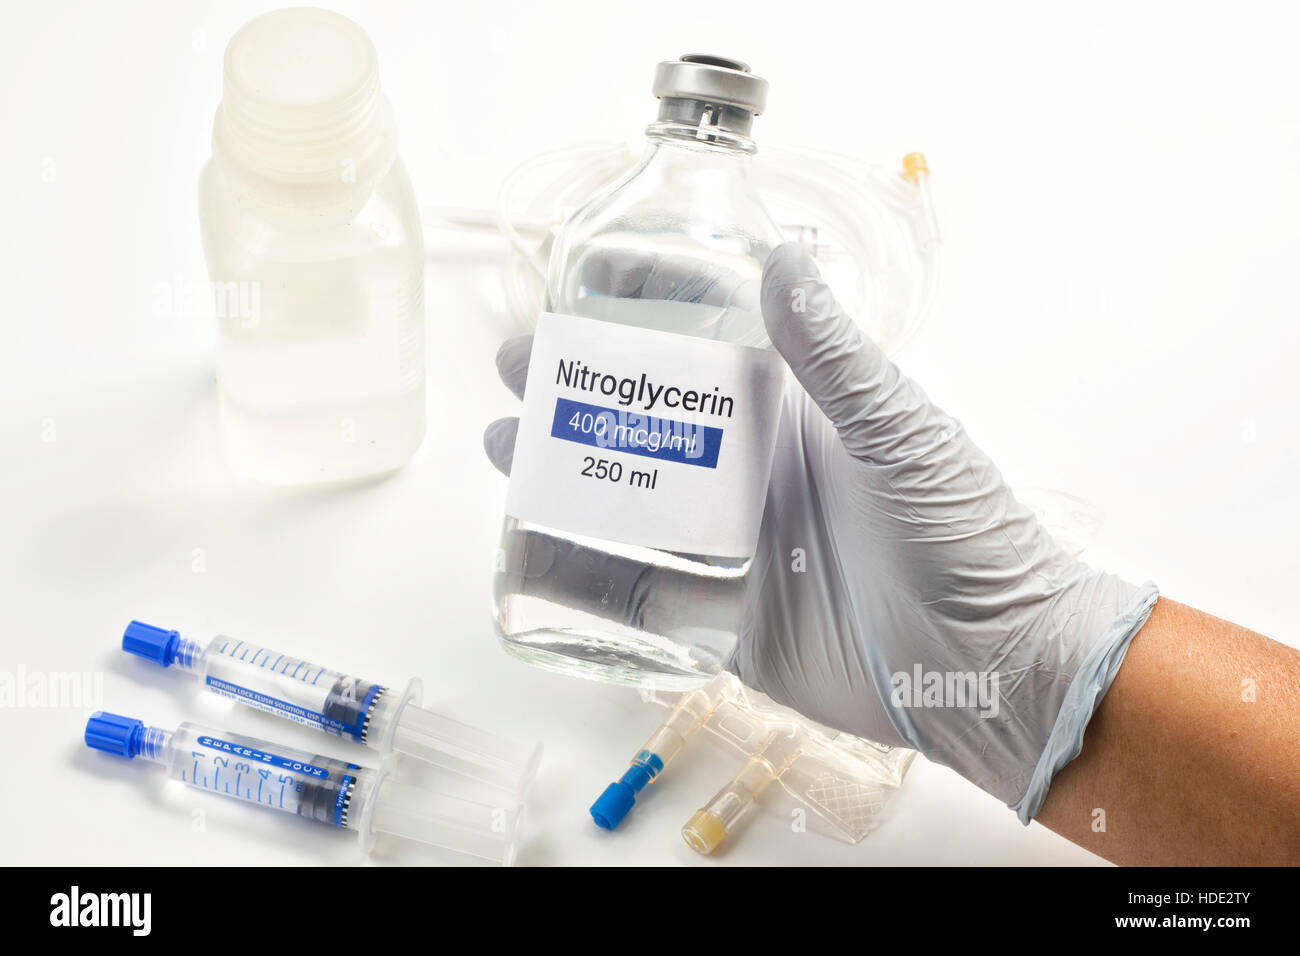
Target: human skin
(1193, 757)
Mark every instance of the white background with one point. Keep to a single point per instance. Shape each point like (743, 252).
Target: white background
(1118, 187)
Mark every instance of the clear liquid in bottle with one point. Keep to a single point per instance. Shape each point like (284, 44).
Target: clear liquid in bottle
(621, 561)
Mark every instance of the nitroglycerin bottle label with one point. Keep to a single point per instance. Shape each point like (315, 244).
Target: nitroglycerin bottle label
(645, 437)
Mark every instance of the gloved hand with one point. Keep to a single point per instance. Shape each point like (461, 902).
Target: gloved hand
(893, 556)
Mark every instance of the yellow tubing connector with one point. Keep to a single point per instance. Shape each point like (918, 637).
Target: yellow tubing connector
(703, 832)
(914, 165)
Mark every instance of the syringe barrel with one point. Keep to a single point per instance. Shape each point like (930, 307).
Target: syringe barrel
(257, 771)
(459, 747)
(290, 687)
(266, 679)
(485, 830)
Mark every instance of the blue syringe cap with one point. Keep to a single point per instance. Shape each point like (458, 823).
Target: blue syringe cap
(619, 797)
(152, 643)
(114, 734)
(612, 806)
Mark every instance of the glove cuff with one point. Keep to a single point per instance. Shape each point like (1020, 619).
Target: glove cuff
(1082, 697)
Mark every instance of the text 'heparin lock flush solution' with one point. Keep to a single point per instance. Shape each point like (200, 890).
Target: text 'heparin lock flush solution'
(653, 398)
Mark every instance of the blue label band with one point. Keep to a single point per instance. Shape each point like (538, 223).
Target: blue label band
(262, 757)
(282, 707)
(636, 433)
(305, 715)
(358, 729)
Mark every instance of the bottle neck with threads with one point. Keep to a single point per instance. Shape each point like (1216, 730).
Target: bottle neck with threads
(302, 120)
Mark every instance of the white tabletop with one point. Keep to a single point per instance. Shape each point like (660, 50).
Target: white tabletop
(1118, 193)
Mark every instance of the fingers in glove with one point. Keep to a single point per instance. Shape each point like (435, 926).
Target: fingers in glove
(644, 597)
(630, 274)
(881, 416)
(633, 274)
(499, 443)
(512, 364)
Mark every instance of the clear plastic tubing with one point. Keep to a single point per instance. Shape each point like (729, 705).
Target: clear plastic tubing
(711, 824)
(688, 715)
(344, 795)
(360, 710)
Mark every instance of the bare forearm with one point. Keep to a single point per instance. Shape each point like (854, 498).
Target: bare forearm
(1193, 757)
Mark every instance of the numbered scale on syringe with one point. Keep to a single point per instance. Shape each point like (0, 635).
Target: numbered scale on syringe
(309, 785)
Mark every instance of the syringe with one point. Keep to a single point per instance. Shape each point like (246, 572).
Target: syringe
(320, 788)
(330, 701)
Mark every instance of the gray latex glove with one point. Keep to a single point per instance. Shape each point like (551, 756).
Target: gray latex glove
(891, 548)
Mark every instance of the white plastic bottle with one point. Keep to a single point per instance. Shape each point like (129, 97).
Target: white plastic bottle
(645, 444)
(316, 257)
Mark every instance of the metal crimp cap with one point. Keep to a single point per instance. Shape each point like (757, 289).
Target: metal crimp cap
(712, 79)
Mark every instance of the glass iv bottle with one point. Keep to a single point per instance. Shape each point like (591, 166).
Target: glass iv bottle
(653, 396)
